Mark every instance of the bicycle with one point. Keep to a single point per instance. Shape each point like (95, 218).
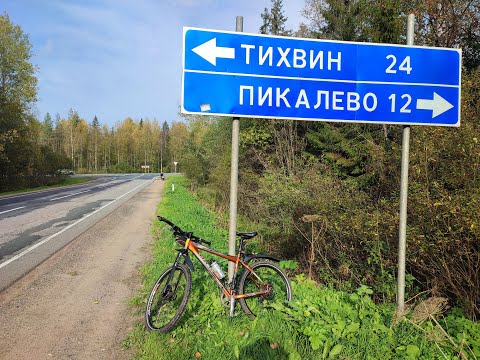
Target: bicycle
(260, 284)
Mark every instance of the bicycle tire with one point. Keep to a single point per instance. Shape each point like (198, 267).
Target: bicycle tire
(271, 273)
(164, 311)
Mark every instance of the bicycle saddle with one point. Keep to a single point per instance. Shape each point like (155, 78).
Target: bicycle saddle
(247, 235)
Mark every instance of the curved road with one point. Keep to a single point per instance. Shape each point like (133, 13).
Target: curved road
(35, 225)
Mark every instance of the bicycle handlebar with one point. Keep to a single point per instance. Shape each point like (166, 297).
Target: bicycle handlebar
(168, 222)
(179, 232)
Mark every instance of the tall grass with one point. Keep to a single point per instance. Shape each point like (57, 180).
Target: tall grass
(320, 323)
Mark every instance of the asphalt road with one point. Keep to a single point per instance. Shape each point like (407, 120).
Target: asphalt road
(35, 225)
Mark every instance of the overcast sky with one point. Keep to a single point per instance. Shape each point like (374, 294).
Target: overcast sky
(119, 58)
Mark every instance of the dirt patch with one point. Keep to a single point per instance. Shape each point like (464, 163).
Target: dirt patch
(75, 304)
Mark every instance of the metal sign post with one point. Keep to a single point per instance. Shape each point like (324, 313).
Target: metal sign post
(402, 231)
(232, 225)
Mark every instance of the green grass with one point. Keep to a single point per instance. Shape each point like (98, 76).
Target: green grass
(66, 182)
(320, 323)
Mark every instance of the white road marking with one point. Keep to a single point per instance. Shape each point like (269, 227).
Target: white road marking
(61, 197)
(3, 212)
(33, 247)
(45, 190)
(136, 177)
(14, 196)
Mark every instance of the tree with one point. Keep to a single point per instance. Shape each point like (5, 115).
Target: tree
(47, 130)
(385, 22)
(274, 20)
(125, 144)
(195, 158)
(106, 143)
(163, 143)
(357, 20)
(18, 91)
(451, 23)
(178, 140)
(57, 134)
(18, 84)
(146, 155)
(73, 121)
(265, 28)
(336, 19)
(96, 129)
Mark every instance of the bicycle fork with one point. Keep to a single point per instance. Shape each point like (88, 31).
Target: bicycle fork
(168, 286)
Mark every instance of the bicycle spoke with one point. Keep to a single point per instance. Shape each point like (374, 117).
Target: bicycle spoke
(272, 280)
(167, 302)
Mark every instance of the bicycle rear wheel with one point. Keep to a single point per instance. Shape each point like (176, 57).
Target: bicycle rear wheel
(273, 277)
(167, 302)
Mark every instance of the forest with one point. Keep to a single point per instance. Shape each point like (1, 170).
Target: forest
(323, 194)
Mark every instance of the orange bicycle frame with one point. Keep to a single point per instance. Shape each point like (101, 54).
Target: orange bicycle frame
(195, 248)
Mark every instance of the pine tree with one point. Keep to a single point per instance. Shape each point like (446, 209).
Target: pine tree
(163, 143)
(73, 120)
(274, 20)
(47, 127)
(95, 126)
(337, 19)
(265, 28)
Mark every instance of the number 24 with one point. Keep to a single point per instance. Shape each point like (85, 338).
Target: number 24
(404, 66)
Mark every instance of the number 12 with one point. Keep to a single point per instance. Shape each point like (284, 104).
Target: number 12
(404, 108)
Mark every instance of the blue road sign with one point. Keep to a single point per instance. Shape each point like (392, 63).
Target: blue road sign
(246, 75)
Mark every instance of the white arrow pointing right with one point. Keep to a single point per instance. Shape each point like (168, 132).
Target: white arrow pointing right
(439, 105)
(210, 52)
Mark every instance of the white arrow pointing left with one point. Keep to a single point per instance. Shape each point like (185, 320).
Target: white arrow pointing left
(438, 105)
(210, 52)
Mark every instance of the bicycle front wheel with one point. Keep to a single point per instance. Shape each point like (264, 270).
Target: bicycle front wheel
(167, 301)
(272, 278)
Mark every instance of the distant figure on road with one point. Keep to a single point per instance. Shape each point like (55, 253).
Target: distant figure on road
(162, 176)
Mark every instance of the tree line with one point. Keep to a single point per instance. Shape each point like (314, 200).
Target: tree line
(125, 147)
(327, 194)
